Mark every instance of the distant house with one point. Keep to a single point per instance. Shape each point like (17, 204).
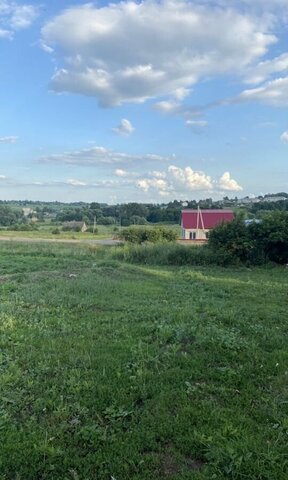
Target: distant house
(248, 200)
(274, 199)
(251, 221)
(75, 226)
(30, 213)
(196, 224)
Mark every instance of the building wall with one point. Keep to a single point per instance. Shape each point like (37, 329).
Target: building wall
(194, 233)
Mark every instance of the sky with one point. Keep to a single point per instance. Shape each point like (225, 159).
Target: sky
(145, 101)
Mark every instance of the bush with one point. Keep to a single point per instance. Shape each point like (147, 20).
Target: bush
(24, 227)
(139, 235)
(72, 228)
(92, 230)
(55, 231)
(256, 243)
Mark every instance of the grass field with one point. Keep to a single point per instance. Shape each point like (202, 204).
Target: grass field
(45, 231)
(111, 371)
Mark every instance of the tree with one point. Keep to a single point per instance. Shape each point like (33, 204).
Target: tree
(255, 243)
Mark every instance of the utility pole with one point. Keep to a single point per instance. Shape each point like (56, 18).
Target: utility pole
(94, 225)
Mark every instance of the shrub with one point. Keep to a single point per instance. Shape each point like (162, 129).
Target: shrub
(24, 227)
(92, 230)
(256, 243)
(139, 235)
(71, 228)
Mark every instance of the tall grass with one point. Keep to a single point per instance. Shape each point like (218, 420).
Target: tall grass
(171, 254)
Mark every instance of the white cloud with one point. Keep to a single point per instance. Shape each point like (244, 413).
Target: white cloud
(180, 182)
(45, 47)
(8, 139)
(129, 52)
(196, 125)
(158, 174)
(284, 137)
(95, 156)
(189, 179)
(3, 177)
(264, 70)
(76, 183)
(181, 93)
(188, 113)
(125, 128)
(167, 106)
(228, 184)
(22, 16)
(14, 17)
(273, 93)
(121, 173)
(160, 185)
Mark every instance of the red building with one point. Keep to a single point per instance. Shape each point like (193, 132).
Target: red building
(196, 224)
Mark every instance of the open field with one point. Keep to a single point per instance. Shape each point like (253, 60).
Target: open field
(111, 371)
(45, 232)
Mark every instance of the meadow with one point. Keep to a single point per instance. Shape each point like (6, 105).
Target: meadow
(45, 231)
(119, 371)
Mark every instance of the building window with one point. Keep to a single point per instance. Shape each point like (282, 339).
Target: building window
(192, 235)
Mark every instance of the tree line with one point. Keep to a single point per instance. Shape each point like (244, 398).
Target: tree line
(132, 213)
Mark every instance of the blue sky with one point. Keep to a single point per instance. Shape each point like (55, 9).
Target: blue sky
(143, 101)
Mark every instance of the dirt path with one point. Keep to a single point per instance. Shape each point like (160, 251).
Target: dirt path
(104, 241)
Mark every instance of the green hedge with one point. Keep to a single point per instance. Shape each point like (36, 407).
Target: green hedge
(139, 235)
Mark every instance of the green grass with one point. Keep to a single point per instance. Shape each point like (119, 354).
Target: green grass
(45, 232)
(117, 371)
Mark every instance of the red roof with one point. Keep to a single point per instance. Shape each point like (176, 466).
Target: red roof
(193, 219)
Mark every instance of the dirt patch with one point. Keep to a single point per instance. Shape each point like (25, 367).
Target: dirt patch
(3, 280)
(185, 343)
(169, 465)
(194, 464)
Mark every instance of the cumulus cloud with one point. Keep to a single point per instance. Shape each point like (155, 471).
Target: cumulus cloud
(14, 17)
(190, 179)
(160, 185)
(182, 181)
(123, 52)
(121, 173)
(284, 137)
(125, 128)
(8, 139)
(228, 184)
(96, 156)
